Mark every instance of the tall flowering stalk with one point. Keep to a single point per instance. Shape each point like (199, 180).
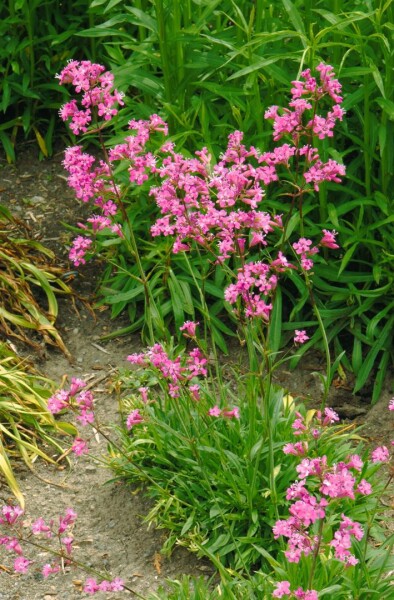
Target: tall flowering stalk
(95, 180)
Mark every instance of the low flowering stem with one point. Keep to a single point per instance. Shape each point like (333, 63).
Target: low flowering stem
(73, 561)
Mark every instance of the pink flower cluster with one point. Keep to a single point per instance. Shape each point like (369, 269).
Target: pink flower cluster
(81, 402)
(178, 372)
(226, 412)
(320, 486)
(17, 529)
(283, 589)
(189, 328)
(96, 86)
(91, 586)
(300, 336)
(217, 207)
(12, 520)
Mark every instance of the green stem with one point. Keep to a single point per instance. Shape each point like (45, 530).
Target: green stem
(316, 554)
(164, 45)
(132, 245)
(327, 379)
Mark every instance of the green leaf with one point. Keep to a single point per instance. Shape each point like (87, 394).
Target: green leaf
(275, 326)
(370, 359)
(387, 106)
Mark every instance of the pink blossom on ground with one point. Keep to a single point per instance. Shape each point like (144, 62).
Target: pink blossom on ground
(80, 446)
(39, 526)
(91, 586)
(68, 542)
(69, 519)
(117, 585)
(380, 454)
(12, 544)
(215, 411)
(21, 564)
(391, 404)
(48, 569)
(11, 514)
(300, 336)
(59, 401)
(76, 386)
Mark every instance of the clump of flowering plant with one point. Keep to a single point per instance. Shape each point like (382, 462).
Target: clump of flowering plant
(209, 448)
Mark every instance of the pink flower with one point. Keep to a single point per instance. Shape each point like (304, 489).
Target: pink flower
(58, 401)
(231, 414)
(68, 542)
(144, 393)
(380, 454)
(355, 462)
(76, 386)
(39, 526)
(297, 449)
(80, 247)
(49, 569)
(117, 585)
(66, 521)
(91, 586)
(307, 595)
(328, 240)
(215, 411)
(195, 391)
(330, 416)
(79, 447)
(282, 589)
(11, 514)
(391, 404)
(21, 564)
(134, 418)
(364, 488)
(300, 336)
(189, 327)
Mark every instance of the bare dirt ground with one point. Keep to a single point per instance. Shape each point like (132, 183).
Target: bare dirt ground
(110, 531)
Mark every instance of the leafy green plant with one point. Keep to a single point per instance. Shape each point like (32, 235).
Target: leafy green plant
(36, 36)
(25, 422)
(219, 486)
(26, 273)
